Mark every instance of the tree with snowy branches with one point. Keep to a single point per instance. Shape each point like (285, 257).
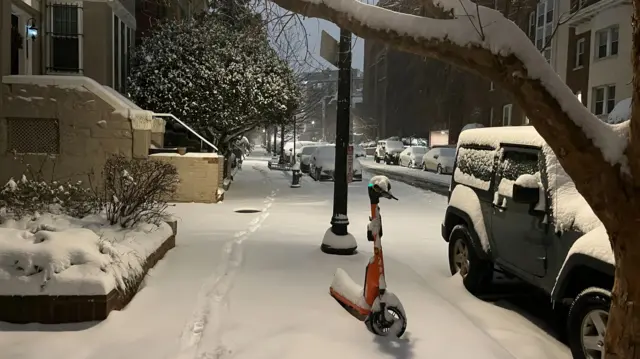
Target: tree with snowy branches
(602, 159)
(220, 80)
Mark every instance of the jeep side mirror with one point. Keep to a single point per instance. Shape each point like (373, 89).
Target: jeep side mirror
(526, 190)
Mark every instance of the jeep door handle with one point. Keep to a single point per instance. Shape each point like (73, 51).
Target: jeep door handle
(499, 207)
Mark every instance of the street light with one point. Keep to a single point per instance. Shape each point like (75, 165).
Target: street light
(313, 123)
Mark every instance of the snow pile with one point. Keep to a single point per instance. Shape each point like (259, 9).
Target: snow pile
(344, 286)
(61, 255)
(621, 112)
(528, 181)
(569, 208)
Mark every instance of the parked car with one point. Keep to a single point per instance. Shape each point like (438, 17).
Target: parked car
(412, 156)
(513, 208)
(304, 156)
(388, 151)
(359, 151)
(322, 164)
(439, 159)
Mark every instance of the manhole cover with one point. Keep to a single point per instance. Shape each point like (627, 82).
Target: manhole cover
(247, 210)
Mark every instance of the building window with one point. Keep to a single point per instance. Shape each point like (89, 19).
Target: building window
(607, 42)
(532, 26)
(492, 86)
(33, 135)
(506, 115)
(604, 99)
(64, 40)
(580, 53)
(123, 57)
(116, 52)
(543, 27)
(491, 116)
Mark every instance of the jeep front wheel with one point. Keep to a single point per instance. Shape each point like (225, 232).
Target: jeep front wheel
(476, 273)
(587, 323)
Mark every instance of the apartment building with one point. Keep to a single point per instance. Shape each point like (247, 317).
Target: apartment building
(598, 57)
(53, 37)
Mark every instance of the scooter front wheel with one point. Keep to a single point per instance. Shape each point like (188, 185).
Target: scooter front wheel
(389, 322)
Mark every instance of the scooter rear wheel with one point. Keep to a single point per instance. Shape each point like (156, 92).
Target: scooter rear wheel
(390, 322)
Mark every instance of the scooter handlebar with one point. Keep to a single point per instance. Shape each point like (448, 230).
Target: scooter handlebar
(380, 186)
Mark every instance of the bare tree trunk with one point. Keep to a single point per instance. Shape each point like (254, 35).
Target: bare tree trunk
(282, 154)
(267, 135)
(623, 329)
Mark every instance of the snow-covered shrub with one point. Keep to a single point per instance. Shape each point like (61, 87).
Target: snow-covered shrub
(221, 80)
(36, 193)
(28, 196)
(137, 191)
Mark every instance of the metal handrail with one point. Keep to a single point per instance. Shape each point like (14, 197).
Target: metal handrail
(188, 128)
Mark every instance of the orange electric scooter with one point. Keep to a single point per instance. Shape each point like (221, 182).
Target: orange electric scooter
(380, 309)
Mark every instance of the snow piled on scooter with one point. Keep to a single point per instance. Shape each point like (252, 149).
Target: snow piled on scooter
(350, 290)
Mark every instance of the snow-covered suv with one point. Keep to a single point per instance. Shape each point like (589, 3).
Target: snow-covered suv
(512, 208)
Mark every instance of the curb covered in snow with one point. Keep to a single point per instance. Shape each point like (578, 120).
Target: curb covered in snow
(56, 309)
(415, 181)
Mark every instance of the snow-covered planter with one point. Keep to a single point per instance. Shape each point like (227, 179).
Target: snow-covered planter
(65, 263)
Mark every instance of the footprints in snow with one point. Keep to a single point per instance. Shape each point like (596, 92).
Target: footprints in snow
(201, 337)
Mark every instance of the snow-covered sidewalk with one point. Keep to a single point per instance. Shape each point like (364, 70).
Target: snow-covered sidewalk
(255, 285)
(412, 176)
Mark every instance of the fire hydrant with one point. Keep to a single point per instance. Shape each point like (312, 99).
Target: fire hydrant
(296, 175)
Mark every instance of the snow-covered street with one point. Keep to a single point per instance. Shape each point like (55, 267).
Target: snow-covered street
(416, 177)
(255, 285)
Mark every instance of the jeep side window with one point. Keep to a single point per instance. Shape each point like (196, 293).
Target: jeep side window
(516, 163)
(475, 167)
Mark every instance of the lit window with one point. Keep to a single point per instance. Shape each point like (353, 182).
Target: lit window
(506, 115)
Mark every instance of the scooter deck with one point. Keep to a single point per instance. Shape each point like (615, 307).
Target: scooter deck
(351, 310)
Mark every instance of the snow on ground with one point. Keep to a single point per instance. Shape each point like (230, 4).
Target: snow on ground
(53, 254)
(254, 286)
(444, 180)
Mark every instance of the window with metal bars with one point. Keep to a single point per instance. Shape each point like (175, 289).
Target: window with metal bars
(64, 38)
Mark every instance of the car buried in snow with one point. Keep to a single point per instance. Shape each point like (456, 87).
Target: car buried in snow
(322, 164)
(512, 208)
(412, 156)
(388, 151)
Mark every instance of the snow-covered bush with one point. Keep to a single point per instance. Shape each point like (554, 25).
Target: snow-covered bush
(136, 191)
(36, 193)
(221, 80)
(28, 196)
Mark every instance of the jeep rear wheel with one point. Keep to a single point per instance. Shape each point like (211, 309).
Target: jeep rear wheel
(476, 273)
(587, 323)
